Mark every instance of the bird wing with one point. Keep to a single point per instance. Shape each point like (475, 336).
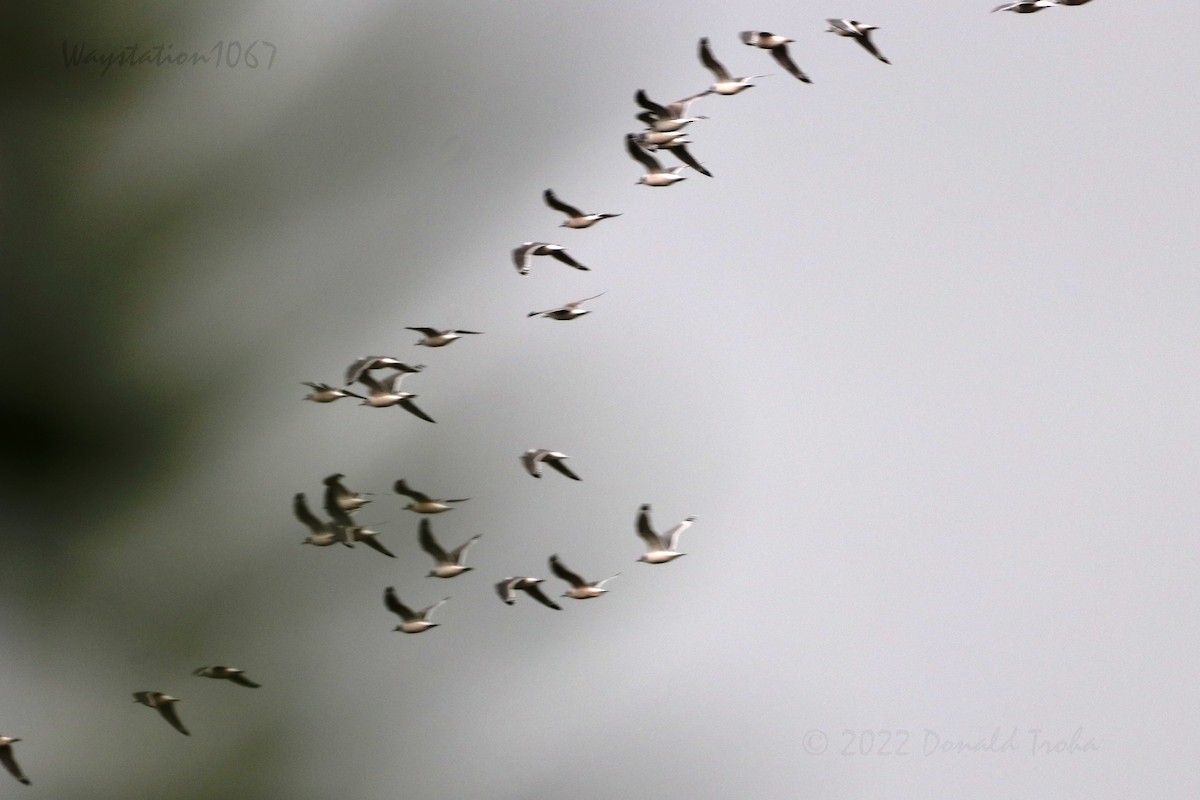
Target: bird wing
(427, 612)
(562, 256)
(426, 331)
(680, 107)
(411, 407)
(557, 463)
(430, 545)
(578, 303)
(169, 713)
(532, 459)
(458, 554)
(356, 370)
(302, 512)
(780, 54)
(714, 66)
(395, 606)
(505, 589)
(536, 593)
(635, 150)
(645, 102)
(240, 679)
(645, 531)
(559, 205)
(10, 763)
(570, 577)
(672, 536)
(522, 256)
(865, 40)
(683, 155)
(402, 488)
(370, 541)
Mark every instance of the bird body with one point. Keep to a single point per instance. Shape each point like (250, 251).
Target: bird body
(575, 218)
(523, 255)
(433, 337)
(386, 393)
(565, 312)
(507, 589)
(324, 393)
(423, 503)
(726, 84)
(449, 565)
(580, 589)
(535, 457)
(655, 175)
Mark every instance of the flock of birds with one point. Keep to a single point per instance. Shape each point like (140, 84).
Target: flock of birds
(663, 131)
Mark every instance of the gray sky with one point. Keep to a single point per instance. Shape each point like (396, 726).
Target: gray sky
(920, 357)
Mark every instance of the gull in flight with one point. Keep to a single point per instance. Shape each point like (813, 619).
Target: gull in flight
(387, 393)
(778, 46)
(655, 174)
(448, 564)
(337, 494)
(424, 503)
(567, 312)
(368, 363)
(534, 458)
(322, 533)
(575, 217)
(523, 255)
(726, 83)
(324, 393)
(432, 337)
(226, 673)
(349, 533)
(414, 622)
(660, 548)
(165, 705)
(858, 31)
(507, 589)
(669, 118)
(9, 760)
(580, 589)
(1025, 6)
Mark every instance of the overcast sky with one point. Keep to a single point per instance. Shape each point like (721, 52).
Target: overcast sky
(920, 358)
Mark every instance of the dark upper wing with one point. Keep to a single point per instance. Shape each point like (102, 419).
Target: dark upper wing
(536, 593)
(241, 680)
(865, 40)
(648, 104)
(706, 58)
(395, 606)
(570, 577)
(370, 541)
(302, 512)
(557, 463)
(683, 155)
(635, 150)
(168, 712)
(411, 407)
(10, 764)
(562, 256)
(429, 544)
(644, 530)
(402, 488)
(780, 54)
(559, 205)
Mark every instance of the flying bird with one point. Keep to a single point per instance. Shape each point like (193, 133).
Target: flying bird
(368, 363)
(386, 393)
(668, 118)
(432, 337)
(566, 312)
(324, 393)
(655, 174)
(424, 504)
(507, 589)
(726, 83)
(523, 255)
(580, 589)
(1026, 6)
(349, 533)
(322, 533)
(226, 673)
(858, 31)
(534, 458)
(414, 621)
(165, 704)
(778, 46)
(337, 494)
(575, 218)
(9, 760)
(448, 564)
(660, 548)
